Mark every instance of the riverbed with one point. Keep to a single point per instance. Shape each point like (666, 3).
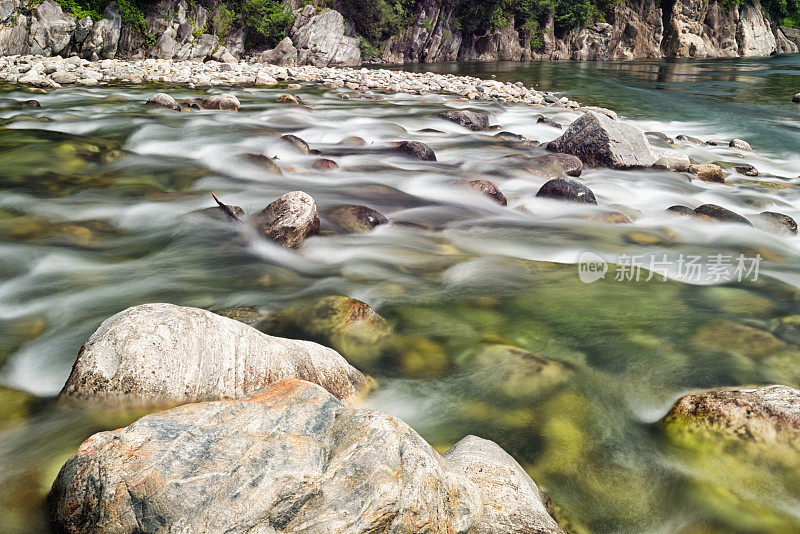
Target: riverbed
(97, 194)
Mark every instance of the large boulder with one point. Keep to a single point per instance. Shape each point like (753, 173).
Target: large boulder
(601, 141)
(103, 40)
(320, 39)
(754, 32)
(292, 459)
(283, 54)
(55, 28)
(768, 415)
(289, 220)
(162, 353)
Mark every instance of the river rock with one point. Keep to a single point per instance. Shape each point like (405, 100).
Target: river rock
(721, 214)
(572, 165)
(769, 415)
(289, 220)
(63, 77)
(416, 149)
(777, 223)
(32, 104)
(467, 119)
(296, 142)
(288, 99)
(225, 102)
(324, 164)
(740, 144)
(746, 169)
(487, 188)
(163, 100)
(348, 325)
(295, 458)
(283, 54)
(796, 98)
(356, 219)
(681, 210)
(660, 136)
(263, 161)
(708, 172)
(569, 190)
(216, 212)
(673, 161)
(541, 119)
(690, 139)
(598, 140)
(516, 138)
(512, 503)
(161, 353)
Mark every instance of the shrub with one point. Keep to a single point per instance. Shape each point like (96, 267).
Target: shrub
(265, 21)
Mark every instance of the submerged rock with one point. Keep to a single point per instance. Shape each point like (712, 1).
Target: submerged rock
(32, 104)
(774, 222)
(221, 214)
(356, 219)
(690, 139)
(289, 220)
(572, 165)
(664, 138)
(300, 145)
(161, 353)
(348, 325)
(570, 190)
(746, 169)
(681, 210)
(288, 99)
(708, 172)
(599, 140)
(467, 119)
(487, 188)
(768, 415)
(721, 214)
(225, 102)
(514, 138)
(291, 459)
(163, 100)
(416, 149)
(263, 161)
(541, 119)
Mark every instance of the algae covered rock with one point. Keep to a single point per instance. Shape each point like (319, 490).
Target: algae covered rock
(348, 325)
(161, 353)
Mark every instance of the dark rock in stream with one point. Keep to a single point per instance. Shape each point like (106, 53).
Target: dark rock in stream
(689, 139)
(569, 190)
(746, 169)
(467, 119)
(157, 354)
(487, 188)
(416, 149)
(289, 220)
(163, 100)
(664, 138)
(32, 104)
(288, 99)
(740, 144)
(681, 210)
(774, 222)
(356, 219)
(721, 214)
(598, 140)
(292, 459)
(217, 212)
(572, 165)
(541, 119)
(516, 138)
(296, 142)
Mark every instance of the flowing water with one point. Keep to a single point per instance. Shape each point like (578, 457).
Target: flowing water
(96, 201)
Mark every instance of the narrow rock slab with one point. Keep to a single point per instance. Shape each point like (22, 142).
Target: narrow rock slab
(161, 353)
(600, 141)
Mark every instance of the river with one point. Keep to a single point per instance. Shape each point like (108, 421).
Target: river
(96, 201)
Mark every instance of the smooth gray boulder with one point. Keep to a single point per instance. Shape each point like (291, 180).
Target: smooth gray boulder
(224, 102)
(163, 100)
(512, 502)
(673, 161)
(289, 220)
(601, 141)
(292, 459)
(161, 353)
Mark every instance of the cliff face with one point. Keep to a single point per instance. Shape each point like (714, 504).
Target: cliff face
(178, 30)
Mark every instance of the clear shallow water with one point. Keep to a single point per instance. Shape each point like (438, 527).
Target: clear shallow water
(96, 195)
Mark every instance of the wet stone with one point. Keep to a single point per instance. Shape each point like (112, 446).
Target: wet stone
(263, 161)
(746, 169)
(569, 190)
(541, 119)
(417, 150)
(467, 119)
(572, 165)
(487, 188)
(721, 214)
(356, 219)
(300, 145)
(774, 222)
(323, 164)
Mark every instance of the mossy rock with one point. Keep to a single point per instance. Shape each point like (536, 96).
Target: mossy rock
(738, 340)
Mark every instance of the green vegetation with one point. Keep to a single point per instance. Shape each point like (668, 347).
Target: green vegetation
(377, 20)
(265, 21)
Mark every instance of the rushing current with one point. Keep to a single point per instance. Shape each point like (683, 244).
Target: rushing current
(97, 194)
